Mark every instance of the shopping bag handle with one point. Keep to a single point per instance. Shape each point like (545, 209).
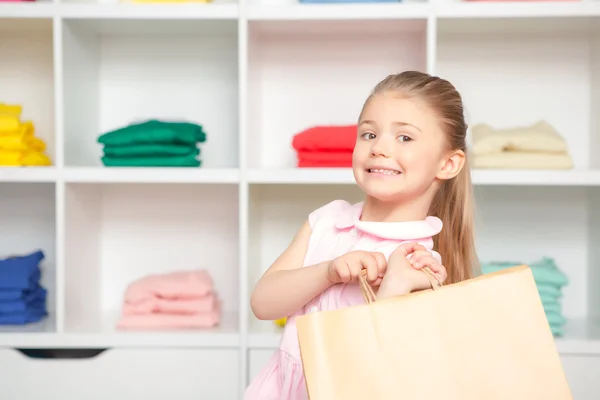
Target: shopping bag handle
(369, 295)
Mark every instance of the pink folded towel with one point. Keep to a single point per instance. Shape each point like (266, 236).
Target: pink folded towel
(176, 300)
(170, 321)
(180, 285)
(165, 306)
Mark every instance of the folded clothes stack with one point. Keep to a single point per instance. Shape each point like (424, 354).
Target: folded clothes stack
(325, 146)
(550, 281)
(19, 147)
(153, 144)
(22, 298)
(538, 146)
(176, 300)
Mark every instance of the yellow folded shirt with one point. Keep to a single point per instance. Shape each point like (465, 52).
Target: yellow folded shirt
(24, 158)
(11, 109)
(9, 124)
(21, 143)
(23, 128)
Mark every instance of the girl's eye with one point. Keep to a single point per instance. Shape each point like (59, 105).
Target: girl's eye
(368, 135)
(404, 138)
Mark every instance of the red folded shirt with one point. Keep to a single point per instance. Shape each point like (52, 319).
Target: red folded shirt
(324, 159)
(326, 138)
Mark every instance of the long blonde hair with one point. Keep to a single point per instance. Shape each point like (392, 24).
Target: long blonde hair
(453, 203)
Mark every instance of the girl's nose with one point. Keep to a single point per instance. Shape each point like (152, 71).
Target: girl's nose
(382, 147)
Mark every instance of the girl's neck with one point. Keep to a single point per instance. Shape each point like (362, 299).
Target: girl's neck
(380, 211)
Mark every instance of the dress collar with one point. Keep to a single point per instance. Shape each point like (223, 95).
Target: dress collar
(409, 230)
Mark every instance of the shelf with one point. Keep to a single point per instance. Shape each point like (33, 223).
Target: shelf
(150, 175)
(344, 176)
(120, 73)
(29, 174)
(99, 331)
(116, 234)
(512, 11)
(582, 337)
(568, 13)
(155, 12)
(286, 176)
(357, 11)
(39, 9)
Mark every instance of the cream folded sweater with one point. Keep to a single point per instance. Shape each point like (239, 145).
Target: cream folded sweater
(539, 137)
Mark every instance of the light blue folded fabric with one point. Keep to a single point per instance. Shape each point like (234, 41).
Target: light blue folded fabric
(549, 281)
(549, 290)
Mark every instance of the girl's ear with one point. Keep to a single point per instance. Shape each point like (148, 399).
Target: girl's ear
(451, 165)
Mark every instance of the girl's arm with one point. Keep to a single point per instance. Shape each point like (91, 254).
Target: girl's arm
(287, 286)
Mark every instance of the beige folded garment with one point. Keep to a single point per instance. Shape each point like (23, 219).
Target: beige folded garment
(539, 137)
(522, 160)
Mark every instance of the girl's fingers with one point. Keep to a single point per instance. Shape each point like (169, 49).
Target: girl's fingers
(344, 273)
(381, 264)
(370, 264)
(409, 248)
(423, 261)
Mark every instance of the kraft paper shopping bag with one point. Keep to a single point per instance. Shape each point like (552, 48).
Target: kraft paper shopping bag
(486, 338)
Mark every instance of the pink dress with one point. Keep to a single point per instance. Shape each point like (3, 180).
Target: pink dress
(336, 230)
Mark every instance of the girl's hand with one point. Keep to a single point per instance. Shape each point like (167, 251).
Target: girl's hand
(421, 257)
(346, 268)
(402, 278)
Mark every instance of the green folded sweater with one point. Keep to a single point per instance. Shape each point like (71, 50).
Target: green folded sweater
(154, 131)
(150, 150)
(173, 161)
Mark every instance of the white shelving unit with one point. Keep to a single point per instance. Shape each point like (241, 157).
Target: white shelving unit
(254, 75)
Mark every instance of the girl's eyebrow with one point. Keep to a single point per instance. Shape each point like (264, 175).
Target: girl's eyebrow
(399, 123)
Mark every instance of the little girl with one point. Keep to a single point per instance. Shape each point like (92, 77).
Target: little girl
(410, 161)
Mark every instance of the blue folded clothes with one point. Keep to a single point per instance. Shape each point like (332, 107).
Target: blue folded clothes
(22, 299)
(21, 272)
(33, 300)
(21, 318)
(16, 294)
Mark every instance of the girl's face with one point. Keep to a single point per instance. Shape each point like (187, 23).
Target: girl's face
(400, 149)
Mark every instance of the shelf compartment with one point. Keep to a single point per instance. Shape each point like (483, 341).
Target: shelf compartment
(119, 72)
(516, 79)
(346, 58)
(27, 75)
(275, 215)
(27, 212)
(118, 233)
